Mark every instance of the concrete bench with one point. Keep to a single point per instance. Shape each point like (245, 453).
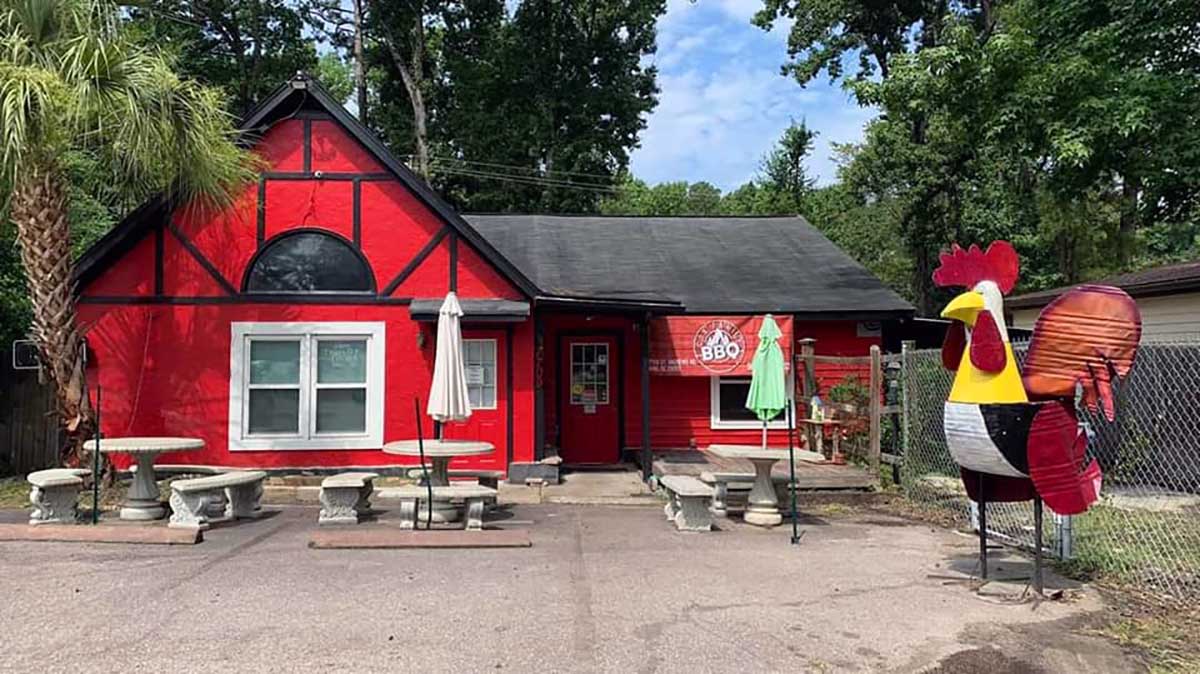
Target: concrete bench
(54, 494)
(731, 490)
(487, 478)
(475, 497)
(688, 501)
(346, 497)
(216, 505)
(190, 499)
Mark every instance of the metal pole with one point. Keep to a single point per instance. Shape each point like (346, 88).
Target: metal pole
(1037, 544)
(792, 484)
(982, 527)
(96, 465)
(424, 467)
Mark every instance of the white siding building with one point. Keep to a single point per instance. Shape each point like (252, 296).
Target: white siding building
(1168, 297)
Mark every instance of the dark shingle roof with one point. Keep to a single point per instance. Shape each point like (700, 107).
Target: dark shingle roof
(1164, 280)
(709, 264)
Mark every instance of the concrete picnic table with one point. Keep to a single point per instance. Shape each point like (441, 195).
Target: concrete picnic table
(439, 453)
(762, 506)
(142, 501)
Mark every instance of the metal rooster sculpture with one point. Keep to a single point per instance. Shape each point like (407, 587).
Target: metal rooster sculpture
(1013, 430)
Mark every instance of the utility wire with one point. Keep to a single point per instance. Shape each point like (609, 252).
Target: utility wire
(521, 168)
(530, 180)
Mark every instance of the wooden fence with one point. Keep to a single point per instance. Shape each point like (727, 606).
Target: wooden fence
(29, 431)
(807, 362)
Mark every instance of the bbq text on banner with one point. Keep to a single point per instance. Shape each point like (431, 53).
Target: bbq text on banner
(702, 346)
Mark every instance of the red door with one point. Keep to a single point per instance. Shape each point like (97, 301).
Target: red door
(484, 360)
(589, 400)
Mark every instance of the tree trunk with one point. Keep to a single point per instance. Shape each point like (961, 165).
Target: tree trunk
(39, 210)
(1131, 187)
(360, 69)
(412, 73)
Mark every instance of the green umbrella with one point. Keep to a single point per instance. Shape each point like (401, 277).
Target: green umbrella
(768, 396)
(768, 390)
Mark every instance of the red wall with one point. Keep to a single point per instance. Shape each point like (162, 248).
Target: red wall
(165, 368)
(680, 406)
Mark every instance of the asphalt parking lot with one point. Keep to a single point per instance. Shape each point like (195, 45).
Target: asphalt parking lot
(602, 589)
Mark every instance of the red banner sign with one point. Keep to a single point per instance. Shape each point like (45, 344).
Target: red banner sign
(702, 346)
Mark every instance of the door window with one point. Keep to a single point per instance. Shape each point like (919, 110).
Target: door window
(589, 374)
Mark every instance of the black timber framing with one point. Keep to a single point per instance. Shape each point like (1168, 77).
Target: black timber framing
(453, 262)
(357, 213)
(647, 454)
(508, 395)
(412, 265)
(204, 262)
(260, 217)
(159, 245)
(301, 98)
(539, 389)
(307, 161)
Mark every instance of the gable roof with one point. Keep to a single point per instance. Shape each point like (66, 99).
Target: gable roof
(705, 264)
(300, 93)
(1165, 280)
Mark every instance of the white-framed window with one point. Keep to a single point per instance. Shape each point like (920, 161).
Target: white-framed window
(479, 357)
(728, 404)
(306, 386)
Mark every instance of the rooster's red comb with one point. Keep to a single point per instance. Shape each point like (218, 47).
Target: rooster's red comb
(965, 268)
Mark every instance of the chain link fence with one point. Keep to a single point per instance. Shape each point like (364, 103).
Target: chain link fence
(1145, 530)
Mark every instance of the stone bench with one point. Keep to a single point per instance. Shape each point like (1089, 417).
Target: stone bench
(688, 501)
(54, 494)
(731, 490)
(191, 498)
(475, 496)
(216, 505)
(487, 478)
(346, 497)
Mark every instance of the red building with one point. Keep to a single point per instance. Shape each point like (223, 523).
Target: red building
(295, 327)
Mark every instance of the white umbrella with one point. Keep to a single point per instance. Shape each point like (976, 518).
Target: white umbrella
(448, 398)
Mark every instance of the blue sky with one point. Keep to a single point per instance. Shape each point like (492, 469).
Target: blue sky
(723, 102)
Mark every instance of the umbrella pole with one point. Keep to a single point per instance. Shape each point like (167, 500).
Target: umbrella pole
(424, 467)
(792, 485)
(96, 465)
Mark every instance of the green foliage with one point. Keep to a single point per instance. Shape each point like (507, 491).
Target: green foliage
(80, 95)
(1066, 127)
(783, 167)
(246, 47)
(531, 109)
(334, 74)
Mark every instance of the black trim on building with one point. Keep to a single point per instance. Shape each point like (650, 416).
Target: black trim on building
(412, 265)
(357, 209)
(307, 145)
(453, 262)
(260, 221)
(159, 245)
(204, 262)
(250, 298)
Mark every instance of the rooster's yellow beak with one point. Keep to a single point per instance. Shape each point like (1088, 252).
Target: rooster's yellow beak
(964, 308)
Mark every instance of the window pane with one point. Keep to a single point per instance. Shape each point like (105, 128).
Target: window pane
(733, 400)
(489, 397)
(341, 361)
(342, 410)
(274, 411)
(274, 362)
(307, 261)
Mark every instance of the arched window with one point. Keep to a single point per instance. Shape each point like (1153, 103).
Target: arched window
(306, 260)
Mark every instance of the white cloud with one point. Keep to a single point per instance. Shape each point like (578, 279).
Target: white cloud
(724, 104)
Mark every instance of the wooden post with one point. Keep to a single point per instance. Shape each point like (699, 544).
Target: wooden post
(874, 407)
(808, 387)
(647, 454)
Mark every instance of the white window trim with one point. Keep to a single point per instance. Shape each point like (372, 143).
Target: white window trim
(714, 406)
(495, 375)
(241, 333)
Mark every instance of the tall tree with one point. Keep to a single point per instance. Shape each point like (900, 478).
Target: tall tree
(783, 168)
(71, 78)
(247, 47)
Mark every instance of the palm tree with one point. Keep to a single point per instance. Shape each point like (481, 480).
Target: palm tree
(71, 77)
